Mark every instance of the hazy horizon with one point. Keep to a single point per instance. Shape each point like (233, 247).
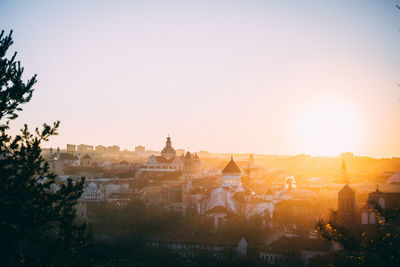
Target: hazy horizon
(264, 77)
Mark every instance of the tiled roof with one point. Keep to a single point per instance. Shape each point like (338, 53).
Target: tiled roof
(232, 167)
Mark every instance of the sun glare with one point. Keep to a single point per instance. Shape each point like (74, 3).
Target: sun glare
(328, 128)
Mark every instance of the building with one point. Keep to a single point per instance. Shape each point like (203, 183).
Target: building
(288, 251)
(140, 149)
(113, 149)
(85, 148)
(234, 198)
(93, 192)
(58, 162)
(190, 247)
(386, 200)
(346, 206)
(71, 148)
(168, 162)
(101, 149)
(231, 174)
(86, 161)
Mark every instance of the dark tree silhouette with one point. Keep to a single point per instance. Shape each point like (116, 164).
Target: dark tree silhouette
(372, 245)
(37, 224)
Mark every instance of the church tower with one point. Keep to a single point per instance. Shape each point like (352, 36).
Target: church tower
(346, 205)
(168, 151)
(231, 175)
(343, 173)
(187, 168)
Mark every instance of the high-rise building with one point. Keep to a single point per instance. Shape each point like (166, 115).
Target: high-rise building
(84, 148)
(140, 149)
(71, 148)
(113, 149)
(101, 149)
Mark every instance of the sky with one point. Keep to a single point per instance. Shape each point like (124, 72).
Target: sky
(270, 77)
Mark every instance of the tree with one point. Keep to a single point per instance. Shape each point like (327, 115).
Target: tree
(377, 245)
(37, 223)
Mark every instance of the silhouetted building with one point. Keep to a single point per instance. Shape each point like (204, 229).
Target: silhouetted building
(346, 210)
(387, 200)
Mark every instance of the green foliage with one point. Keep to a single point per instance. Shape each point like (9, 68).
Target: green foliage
(13, 91)
(37, 225)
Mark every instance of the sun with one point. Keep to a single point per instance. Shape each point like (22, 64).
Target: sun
(328, 128)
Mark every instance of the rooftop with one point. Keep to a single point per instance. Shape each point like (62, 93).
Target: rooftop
(232, 167)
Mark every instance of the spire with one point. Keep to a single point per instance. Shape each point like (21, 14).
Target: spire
(343, 168)
(168, 143)
(343, 173)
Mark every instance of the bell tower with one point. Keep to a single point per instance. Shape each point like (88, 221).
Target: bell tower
(168, 151)
(346, 205)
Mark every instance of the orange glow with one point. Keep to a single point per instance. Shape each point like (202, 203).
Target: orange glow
(328, 128)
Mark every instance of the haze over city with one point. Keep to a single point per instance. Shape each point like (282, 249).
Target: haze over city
(270, 77)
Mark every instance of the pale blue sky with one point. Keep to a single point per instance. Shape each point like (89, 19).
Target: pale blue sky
(224, 76)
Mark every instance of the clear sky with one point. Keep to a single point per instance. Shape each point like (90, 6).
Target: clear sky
(276, 77)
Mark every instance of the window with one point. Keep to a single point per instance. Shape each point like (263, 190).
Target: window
(372, 218)
(364, 218)
(382, 202)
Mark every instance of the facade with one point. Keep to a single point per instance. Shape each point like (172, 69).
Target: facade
(385, 201)
(346, 205)
(84, 148)
(58, 162)
(71, 148)
(86, 161)
(101, 149)
(93, 192)
(189, 165)
(190, 248)
(231, 174)
(293, 251)
(113, 149)
(234, 198)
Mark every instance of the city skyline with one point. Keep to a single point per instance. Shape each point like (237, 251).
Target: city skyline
(268, 77)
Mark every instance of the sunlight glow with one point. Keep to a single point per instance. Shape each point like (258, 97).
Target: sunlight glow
(328, 128)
